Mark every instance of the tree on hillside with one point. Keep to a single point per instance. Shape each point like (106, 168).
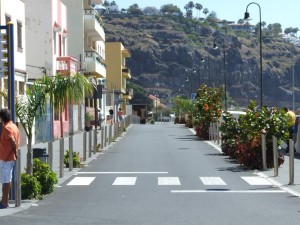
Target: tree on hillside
(198, 7)
(291, 30)
(106, 3)
(151, 11)
(135, 10)
(241, 21)
(140, 95)
(274, 29)
(205, 11)
(212, 18)
(170, 8)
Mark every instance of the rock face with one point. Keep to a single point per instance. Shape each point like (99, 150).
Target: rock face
(167, 51)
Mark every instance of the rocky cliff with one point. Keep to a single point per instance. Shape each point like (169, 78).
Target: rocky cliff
(167, 51)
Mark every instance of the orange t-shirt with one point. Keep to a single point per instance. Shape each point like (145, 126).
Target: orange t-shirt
(9, 130)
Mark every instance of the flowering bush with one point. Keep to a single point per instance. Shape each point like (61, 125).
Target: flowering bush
(208, 108)
(242, 138)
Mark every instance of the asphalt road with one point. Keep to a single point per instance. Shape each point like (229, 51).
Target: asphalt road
(163, 175)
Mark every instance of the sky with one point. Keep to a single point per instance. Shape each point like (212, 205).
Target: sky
(272, 11)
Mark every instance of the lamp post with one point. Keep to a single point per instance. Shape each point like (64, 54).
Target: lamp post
(215, 46)
(246, 16)
(208, 76)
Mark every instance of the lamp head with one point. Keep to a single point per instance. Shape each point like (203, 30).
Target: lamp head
(246, 16)
(187, 79)
(202, 59)
(215, 46)
(194, 71)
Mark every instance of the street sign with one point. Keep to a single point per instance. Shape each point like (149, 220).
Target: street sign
(3, 55)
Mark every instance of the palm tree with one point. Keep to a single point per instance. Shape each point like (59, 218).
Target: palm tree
(28, 107)
(67, 89)
(198, 7)
(205, 11)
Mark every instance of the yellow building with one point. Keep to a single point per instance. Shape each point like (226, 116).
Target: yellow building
(116, 74)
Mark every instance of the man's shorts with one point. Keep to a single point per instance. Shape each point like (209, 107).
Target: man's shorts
(6, 171)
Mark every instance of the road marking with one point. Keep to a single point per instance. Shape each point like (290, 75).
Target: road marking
(122, 172)
(81, 181)
(229, 191)
(125, 181)
(212, 181)
(168, 181)
(257, 181)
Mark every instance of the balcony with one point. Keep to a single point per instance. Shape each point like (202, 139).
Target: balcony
(128, 95)
(126, 73)
(126, 53)
(95, 65)
(93, 25)
(97, 2)
(66, 65)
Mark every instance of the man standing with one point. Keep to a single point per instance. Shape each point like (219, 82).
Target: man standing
(9, 144)
(291, 122)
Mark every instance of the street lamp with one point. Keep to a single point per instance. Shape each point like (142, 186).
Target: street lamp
(247, 15)
(215, 46)
(202, 60)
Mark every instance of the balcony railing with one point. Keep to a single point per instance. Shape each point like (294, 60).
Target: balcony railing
(66, 65)
(126, 73)
(95, 57)
(95, 14)
(95, 64)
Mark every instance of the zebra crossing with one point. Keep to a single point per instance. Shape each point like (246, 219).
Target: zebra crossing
(170, 181)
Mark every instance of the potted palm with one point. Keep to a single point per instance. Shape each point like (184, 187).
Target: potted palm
(88, 118)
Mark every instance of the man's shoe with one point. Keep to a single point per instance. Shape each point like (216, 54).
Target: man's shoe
(3, 206)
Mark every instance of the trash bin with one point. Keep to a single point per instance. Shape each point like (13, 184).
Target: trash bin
(41, 154)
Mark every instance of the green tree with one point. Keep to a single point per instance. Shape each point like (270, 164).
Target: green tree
(198, 7)
(135, 10)
(205, 11)
(170, 8)
(151, 11)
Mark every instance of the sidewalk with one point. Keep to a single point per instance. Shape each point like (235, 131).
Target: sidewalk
(78, 147)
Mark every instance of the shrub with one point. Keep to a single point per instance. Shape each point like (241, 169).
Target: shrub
(242, 138)
(76, 159)
(45, 176)
(208, 104)
(30, 186)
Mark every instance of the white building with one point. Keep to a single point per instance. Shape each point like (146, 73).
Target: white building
(87, 42)
(47, 45)
(14, 11)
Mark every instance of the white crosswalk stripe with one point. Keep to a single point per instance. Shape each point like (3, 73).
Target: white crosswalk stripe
(125, 181)
(81, 181)
(212, 181)
(256, 180)
(168, 181)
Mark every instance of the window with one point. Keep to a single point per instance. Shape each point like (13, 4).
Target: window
(19, 35)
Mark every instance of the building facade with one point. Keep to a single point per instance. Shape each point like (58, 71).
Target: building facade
(87, 45)
(47, 44)
(117, 74)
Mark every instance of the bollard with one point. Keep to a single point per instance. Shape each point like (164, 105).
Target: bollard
(109, 134)
(18, 181)
(95, 141)
(218, 134)
(61, 157)
(50, 153)
(209, 132)
(105, 135)
(90, 143)
(275, 156)
(84, 146)
(264, 151)
(71, 153)
(102, 137)
(291, 166)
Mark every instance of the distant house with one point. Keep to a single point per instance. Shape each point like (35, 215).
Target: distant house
(242, 27)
